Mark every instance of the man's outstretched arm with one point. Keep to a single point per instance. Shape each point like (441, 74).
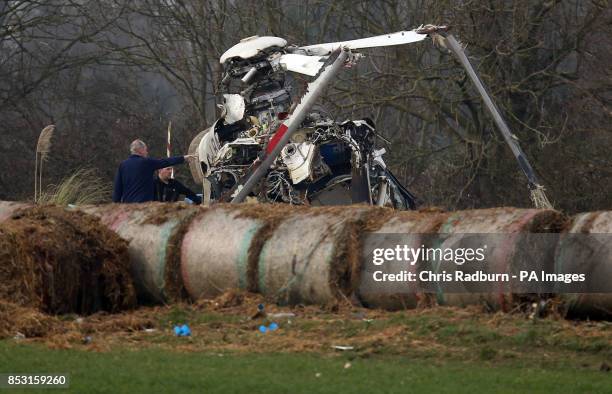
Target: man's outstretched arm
(182, 189)
(169, 162)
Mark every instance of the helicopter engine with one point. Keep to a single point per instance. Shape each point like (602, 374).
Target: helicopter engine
(315, 167)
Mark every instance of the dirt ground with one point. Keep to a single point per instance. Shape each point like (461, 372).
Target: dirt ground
(232, 322)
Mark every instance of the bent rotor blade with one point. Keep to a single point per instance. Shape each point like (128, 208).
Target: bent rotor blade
(537, 190)
(287, 128)
(303, 64)
(399, 38)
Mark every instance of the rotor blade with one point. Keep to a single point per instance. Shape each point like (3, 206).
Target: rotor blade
(457, 50)
(399, 38)
(287, 128)
(360, 186)
(303, 64)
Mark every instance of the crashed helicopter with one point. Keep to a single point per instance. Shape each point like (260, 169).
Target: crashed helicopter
(269, 146)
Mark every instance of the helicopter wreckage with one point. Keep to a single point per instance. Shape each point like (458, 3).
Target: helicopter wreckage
(268, 146)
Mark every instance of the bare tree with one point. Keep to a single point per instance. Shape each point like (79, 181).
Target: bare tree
(111, 70)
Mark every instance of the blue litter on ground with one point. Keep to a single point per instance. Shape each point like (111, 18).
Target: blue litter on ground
(182, 331)
(263, 329)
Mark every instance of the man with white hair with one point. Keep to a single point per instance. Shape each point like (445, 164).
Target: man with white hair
(134, 179)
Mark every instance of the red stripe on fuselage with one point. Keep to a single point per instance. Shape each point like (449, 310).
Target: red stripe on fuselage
(276, 138)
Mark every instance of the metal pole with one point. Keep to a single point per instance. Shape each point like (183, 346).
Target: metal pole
(286, 130)
(453, 45)
(169, 145)
(382, 191)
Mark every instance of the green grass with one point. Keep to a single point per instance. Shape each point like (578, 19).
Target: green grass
(159, 371)
(446, 350)
(529, 335)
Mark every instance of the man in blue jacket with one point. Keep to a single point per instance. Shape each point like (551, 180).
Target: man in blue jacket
(134, 180)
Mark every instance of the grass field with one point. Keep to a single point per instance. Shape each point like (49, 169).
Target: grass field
(156, 370)
(432, 350)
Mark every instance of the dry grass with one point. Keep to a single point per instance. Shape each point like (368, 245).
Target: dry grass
(80, 188)
(230, 322)
(43, 147)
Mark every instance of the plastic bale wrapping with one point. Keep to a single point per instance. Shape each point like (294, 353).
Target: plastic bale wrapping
(511, 252)
(154, 232)
(411, 229)
(585, 247)
(8, 208)
(312, 255)
(215, 251)
(220, 250)
(60, 261)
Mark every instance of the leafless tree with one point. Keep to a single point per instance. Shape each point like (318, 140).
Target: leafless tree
(110, 70)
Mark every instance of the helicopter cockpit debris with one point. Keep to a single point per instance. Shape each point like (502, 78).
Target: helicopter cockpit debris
(271, 146)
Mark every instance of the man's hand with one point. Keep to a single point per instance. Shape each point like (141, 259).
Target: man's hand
(190, 157)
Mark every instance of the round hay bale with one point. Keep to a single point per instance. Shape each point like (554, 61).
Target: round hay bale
(154, 232)
(63, 262)
(8, 208)
(312, 256)
(410, 228)
(215, 252)
(586, 248)
(503, 227)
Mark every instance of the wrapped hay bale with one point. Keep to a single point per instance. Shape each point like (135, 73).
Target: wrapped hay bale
(586, 248)
(154, 232)
(509, 251)
(220, 250)
(214, 252)
(406, 228)
(63, 262)
(312, 255)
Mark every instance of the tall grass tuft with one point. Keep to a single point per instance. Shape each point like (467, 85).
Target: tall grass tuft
(43, 147)
(82, 187)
